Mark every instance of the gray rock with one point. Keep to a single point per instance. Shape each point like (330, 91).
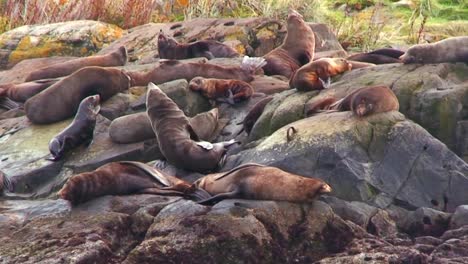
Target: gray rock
(459, 217)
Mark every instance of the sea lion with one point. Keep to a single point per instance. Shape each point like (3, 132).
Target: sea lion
(80, 131)
(370, 100)
(316, 75)
(317, 106)
(254, 114)
(373, 58)
(177, 140)
(171, 70)
(206, 125)
(222, 90)
(359, 64)
(169, 48)
(259, 182)
(120, 178)
(389, 52)
(116, 58)
(61, 100)
(296, 50)
(453, 49)
(23, 91)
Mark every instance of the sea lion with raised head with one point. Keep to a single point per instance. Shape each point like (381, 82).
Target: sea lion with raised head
(177, 140)
(61, 100)
(222, 90)
(80, 131)
(169, 48)
(453, 49)
(120, 178)
(116, 58)
(296, 50)
(259, 182)
(316, 75)
(172, 69)
(23, 91)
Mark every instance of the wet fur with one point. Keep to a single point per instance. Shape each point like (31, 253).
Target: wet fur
(234, 91)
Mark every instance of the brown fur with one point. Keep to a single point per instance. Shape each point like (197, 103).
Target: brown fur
(116, 58)
(23, 91)
(307, 77)
(177, 139)
(389, 52)
(258, 182)
(316, 106)
(232, 91)
(370, 100)
(169, 48)
(297, 49)
(453, 49)
(119, 178)
(358, 64)
(80, 131)
(61, 100)
(373, 58)
(254, 113)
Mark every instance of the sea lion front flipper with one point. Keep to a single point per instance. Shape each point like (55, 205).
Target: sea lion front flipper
(219, 197)
(325, 84)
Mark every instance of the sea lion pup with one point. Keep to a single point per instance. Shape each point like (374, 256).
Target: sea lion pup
(222, 90)
(254, 114)
(120, 178)
(80, 131)
(169, 48)
(177, 140)
(453, 49)
(169, 70)
(389, 52)
(297, 49)
(23, 91)
(61, 100)
(316, 75)
(116, 58)
(373, 58)
(259, 182)
(370, 100)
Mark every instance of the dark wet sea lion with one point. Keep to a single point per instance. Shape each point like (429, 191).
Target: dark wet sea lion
(254, 114)
(61, 100)
(177, 140)
(316, 75)
(23, 91)
(373, 58)
(222, 90)
(389, 52)
(296, 50)
(172, 70)
(137, 127)
(80, 131)
(258, 182)
(370, 100)
(116, 58)
(453, 49)
(120, 178)
(169, 48)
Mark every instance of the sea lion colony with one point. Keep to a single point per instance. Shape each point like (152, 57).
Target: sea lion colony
(179, 138)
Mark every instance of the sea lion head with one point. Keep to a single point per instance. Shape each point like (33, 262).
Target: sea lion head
(316, 189)
(343, 64)
(362, 107)
(165, 42)
(413, 55)
(196, 84)
(90, 106)
(294, 17)
(123, 54)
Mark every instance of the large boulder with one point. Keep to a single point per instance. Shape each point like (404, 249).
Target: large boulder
(74, 38)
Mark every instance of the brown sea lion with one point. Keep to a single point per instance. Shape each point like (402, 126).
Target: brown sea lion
(453, 49)
(296, 50)
(172, 70)
(254, 114)
(316, 75)
(373, 58)
(120, 178)
(177, 140)
(259, 182)
(116, 58)
(359, 64)
(370, 100)
(169, 48)
(61, 100)
(80, 131)
(222, 90)
(389, 52)
(206, 125)
(317, 106)
(23, 91)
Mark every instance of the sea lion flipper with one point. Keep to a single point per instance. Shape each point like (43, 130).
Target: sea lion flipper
(159, 191)
(193, 135)
(208, 55)
(205, 145)
(198, 194)
(150, 170)
(236, 169)
(219, 197)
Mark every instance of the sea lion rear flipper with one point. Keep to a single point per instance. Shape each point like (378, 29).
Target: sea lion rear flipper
(198, 194)
(208, 55)
(159, 191)
(219, 197)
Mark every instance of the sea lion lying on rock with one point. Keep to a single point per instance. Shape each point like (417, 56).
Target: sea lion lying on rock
(23, 91)
(80, 131)
(221, 90)
(116, 58)
(177, 140)
(119, 178)
(379, 56)
(169, 48)
(453, 49)
(259, 182)
(297, 49)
